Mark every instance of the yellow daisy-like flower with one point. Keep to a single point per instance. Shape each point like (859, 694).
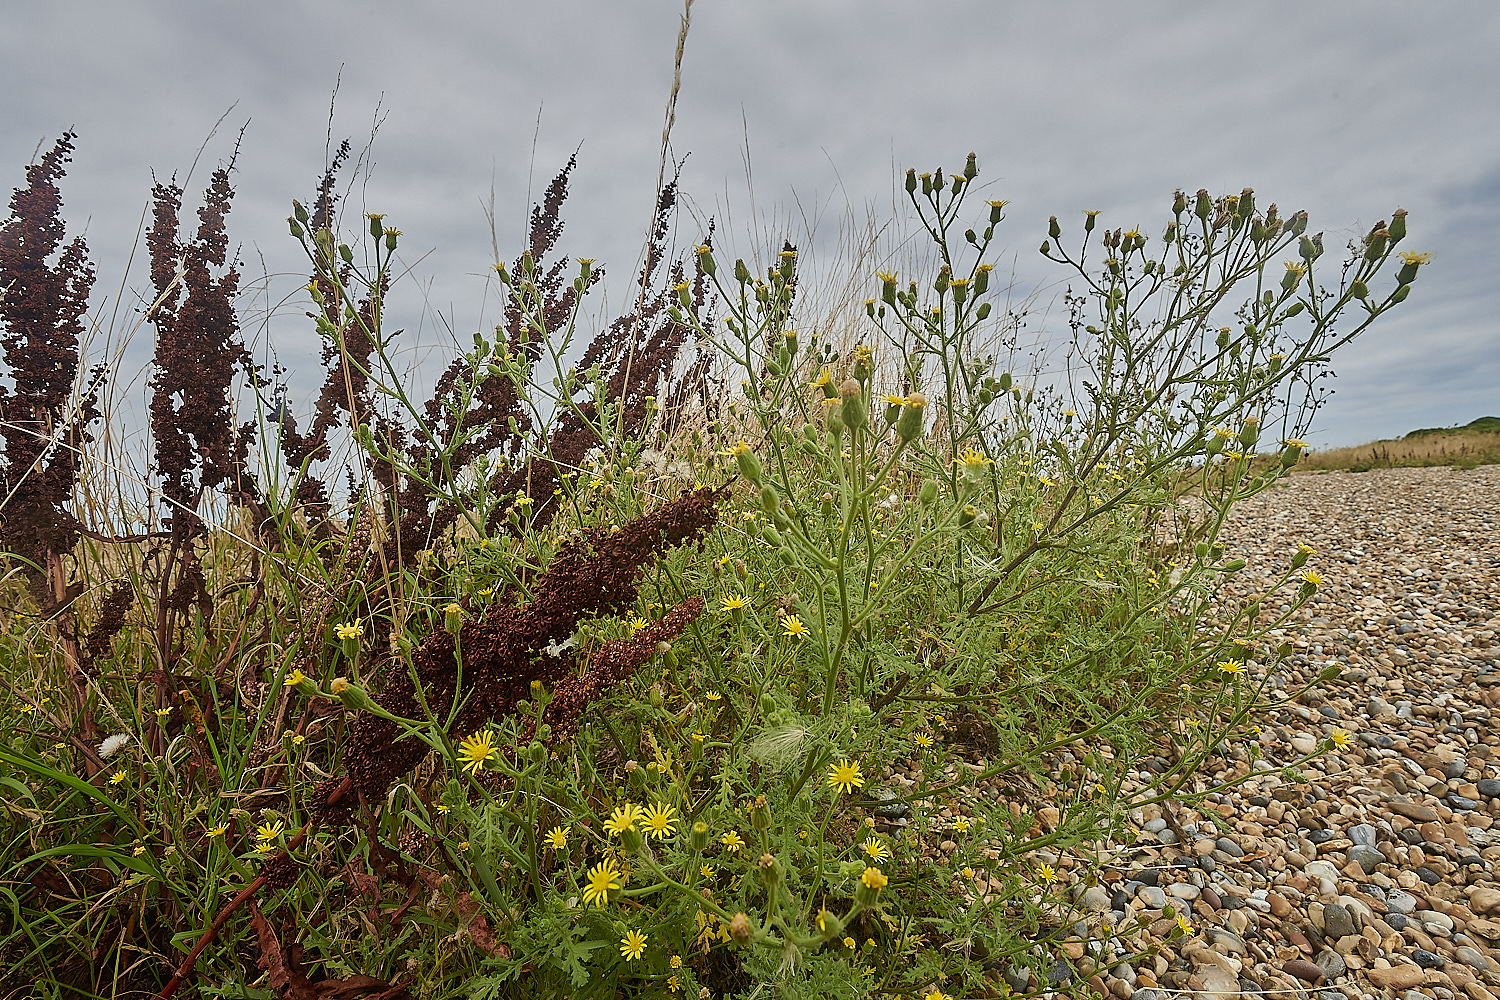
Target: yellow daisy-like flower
(961, 824)
(632, 945)
(298, 740)
(349, 630)
(708, 872)
(895, 400)
(937, 995)
(162, 713)
(732, 841)
(636, 624)
(675, 962)
(1183, 925)
(117, 777)
(294, 678)
(269, 831)
(1230, 667)
(845, 776)
(463, 845)
(660, 820)
(1339, 739)
(1412, 257)
(874, 878)
(1295, 443)
(674, 984)
(1047, 874)
(623, 818)
(972, 460)
(218, 831)
(137, 852)
(1312, 577)
(557, 838)
(792, 625)
(922, 740)
(477, 750)
(732, 604)
(603, 879)
(850, 943)
(876, 849)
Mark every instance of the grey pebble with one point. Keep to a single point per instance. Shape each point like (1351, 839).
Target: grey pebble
(1488, 787)
(1427, 959)
(1153, 897)
(1338, 922)
(1368, 858)
(1363, 834)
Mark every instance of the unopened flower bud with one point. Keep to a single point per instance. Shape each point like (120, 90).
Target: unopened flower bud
(1249, 432)
(911, 180)
(853, 408)
(1397, 228)
(698, 836)
(1053, 229)
(909, 426)
(929, 493)
(760, 816)
(1360, 290)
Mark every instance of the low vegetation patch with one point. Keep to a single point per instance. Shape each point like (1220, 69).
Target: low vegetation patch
(712, 653)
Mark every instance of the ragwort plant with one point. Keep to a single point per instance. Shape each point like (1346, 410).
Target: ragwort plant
(836, 689)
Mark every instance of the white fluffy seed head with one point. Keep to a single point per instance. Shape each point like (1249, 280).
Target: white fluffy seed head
(112, 745)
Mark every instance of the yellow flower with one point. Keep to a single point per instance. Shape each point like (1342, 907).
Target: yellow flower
(961, 824)
(674, 984)
(876, 849)
(1230, 667)
(659, 821)
(1411, 257)
(937, 995)
(162, 713)
(874, 878)
(845, 776)
(732, 604)
(895, 400)
(1295, 443)
(137, 852)
(1312, 578)
(732, 841)
(117, 777)
(349, 630)
(850, 943)
(463, 845)
(922, 740)
(635, 624)
(451, 609)
(603, 879)
(632, 945)
(269, 831)
(792, 625)
(972, 460)
(294, 678)
(1047, 874)
(557, 838)
(708, 872)
(1338, 738)
(1183, 925)
(967, 873)
(298, 740)
(622, 819)
(477, 750)
(218, 831)
(675, 962)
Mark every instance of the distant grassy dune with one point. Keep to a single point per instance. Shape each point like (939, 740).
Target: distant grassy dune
(1475, 443)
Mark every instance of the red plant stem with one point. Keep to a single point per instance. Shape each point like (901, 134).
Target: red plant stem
(186, 968)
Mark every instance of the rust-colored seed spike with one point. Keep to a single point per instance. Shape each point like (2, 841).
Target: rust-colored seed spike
(597, 573)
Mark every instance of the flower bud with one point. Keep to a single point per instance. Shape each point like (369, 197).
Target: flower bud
(296, 229)
(770, 872)
(870, 884)
(1399, 295)
(1249, 432)
(299, 212)
(706, 259)
(748, 464)
(352, 695)
(1299, 558)
(911, 180)
(1204, 205)
(1179, 202)
(909, 427)
(971, 167)
(830, 927)
(1397, 228)
(376, 229)
(929, 493)
(1375, 243)
(1053, 229)
(390, 239)
(760, 816)
(1292, 452)
(1360, 290)
(967, 515)
(741, 272)
(698, 837)
(853, 409)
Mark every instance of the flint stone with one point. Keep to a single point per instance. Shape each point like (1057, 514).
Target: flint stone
(1412, 811)
(1338, 921)
(1427, 959)
(1303, 970)
(1368, 858)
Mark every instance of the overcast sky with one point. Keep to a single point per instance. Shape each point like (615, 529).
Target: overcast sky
(794, 113)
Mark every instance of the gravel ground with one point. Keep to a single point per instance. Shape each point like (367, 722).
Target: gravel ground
(1382, 877)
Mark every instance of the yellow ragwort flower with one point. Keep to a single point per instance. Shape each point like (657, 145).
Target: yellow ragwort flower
(603, 879)
(876, 849)
(922, 740)
(294, 678)
(557, 838)
(874, 878)
(732, 604)
(622, 819)
(632, 945)
(117, 777)
(660, 820)
(1230, 667)
(477, 750)
(732, 841)
(792, 626)
(1338, 738)
(845, 776)
(349, 630)
(1047, 874)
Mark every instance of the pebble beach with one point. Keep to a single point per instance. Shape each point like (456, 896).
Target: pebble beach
(1380, 877)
